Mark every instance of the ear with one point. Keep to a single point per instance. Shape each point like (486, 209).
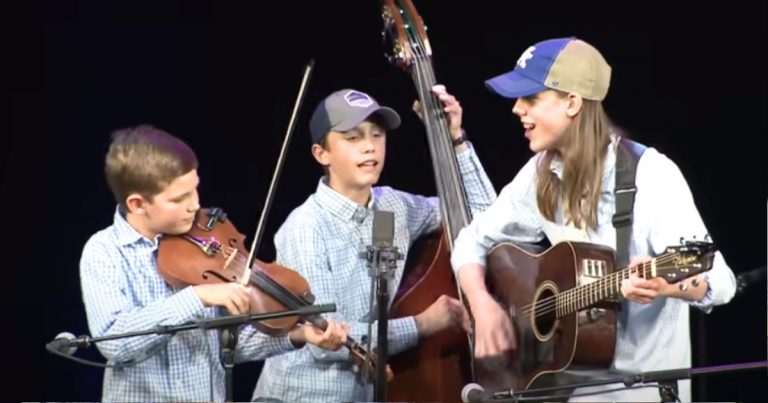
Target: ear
(136, 203)
(321, 155)
(575, 103)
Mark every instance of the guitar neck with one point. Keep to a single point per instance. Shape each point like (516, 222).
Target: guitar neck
(606, 287)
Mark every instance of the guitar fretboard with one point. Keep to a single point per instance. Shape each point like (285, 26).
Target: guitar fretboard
(606, 287)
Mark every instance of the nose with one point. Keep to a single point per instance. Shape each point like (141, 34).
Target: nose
(369, 144)
(195, 203)
(519, 107)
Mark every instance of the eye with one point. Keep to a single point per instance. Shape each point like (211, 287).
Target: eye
(181, 198)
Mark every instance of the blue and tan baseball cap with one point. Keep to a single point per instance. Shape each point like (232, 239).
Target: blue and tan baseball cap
(345, 109)
(564, 64)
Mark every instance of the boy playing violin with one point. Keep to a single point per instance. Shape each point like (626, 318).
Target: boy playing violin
(153, 176)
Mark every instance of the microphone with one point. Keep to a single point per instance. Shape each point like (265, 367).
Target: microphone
(472, 392)
(383, 229)
(67, 343)
(744, 280)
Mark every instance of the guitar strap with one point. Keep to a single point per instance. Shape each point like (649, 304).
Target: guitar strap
(628, 154)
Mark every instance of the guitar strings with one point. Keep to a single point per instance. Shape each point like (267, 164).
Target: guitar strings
(582, 294)
(573, 296)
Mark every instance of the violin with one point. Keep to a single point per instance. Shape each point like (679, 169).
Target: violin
(213, 251)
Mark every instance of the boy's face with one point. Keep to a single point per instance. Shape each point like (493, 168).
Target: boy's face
(171, 211)
(354, 158)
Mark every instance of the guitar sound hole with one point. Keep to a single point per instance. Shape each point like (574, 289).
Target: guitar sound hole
(545, 312)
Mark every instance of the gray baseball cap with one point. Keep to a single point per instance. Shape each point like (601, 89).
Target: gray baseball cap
(345, 109)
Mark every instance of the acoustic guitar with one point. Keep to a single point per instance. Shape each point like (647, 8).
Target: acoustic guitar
(563, 303)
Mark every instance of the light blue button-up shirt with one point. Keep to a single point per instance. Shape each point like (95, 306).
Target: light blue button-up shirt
(651, 336)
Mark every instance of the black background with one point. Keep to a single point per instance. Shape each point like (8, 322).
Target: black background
(689, 80)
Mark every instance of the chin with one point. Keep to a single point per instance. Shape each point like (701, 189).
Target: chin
(371, 180)
(539, 146)
(181, 229)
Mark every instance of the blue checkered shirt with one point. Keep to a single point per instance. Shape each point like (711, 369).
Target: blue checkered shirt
(124, 292)
(321, 239)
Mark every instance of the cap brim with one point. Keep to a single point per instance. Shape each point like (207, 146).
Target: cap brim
(388, 118)
(514, 85)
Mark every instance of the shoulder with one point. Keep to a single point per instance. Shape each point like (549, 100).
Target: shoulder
(101, 242)
(389, 194)
(100, 252)
(660, 174)
(399, 200)
(304, 219)
(654, 163)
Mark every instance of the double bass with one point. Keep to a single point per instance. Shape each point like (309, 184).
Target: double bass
(439, 366)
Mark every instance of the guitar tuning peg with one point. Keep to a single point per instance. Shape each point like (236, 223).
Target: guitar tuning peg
(707, 238)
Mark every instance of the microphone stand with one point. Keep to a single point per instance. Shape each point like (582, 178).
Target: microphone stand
(227, 346)
(227, 323)
(666, 380)
(382, 260)
(210, 323)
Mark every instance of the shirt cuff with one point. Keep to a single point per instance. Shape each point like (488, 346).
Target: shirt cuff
(707, 302)
(407, 334)
(464, 157)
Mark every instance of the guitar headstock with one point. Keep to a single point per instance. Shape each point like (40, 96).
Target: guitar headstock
(405, 33)
(685, 260)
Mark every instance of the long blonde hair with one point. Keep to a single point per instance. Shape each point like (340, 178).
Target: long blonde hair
(583, 158)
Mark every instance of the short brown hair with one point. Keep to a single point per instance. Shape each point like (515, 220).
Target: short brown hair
(144, 160)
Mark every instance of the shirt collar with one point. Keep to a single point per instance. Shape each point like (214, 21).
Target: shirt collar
(339, 205)
(125, 233)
